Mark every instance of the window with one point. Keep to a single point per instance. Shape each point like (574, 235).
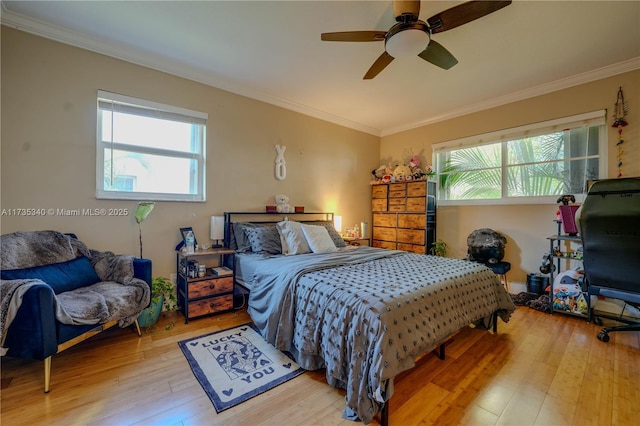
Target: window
(529, 164)
(149, 151)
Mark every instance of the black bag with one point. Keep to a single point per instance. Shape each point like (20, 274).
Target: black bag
(485, 246)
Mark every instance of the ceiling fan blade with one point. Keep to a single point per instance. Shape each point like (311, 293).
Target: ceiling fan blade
(380, 64)
(354, 36)
(438, 55)
(463, 13)
(402, 7)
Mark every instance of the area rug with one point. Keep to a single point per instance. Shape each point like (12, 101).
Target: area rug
(237, 364)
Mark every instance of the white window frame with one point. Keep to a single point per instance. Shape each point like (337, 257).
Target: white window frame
(107, 100)
(595, 118)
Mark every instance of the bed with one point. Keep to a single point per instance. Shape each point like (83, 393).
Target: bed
(362, 313)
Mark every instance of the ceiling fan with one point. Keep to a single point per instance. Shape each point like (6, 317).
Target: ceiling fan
(411, 36)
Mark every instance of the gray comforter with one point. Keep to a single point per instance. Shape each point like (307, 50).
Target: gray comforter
(365, 314)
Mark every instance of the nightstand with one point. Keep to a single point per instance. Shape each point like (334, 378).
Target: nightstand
(353, 241)
(200, 296)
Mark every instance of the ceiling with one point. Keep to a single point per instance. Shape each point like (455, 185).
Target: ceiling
(271, 51)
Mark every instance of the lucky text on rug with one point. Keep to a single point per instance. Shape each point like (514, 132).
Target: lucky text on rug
(235, 365)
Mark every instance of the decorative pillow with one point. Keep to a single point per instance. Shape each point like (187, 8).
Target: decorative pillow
(264, 239)
(61, 277)
(292, 238)
(335, 236)
(239, 239)
(318, 239)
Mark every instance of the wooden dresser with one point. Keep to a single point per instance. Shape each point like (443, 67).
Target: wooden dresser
(404, 215)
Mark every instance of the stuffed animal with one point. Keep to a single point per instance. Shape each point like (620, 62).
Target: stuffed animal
(401, 173)
(282, 204)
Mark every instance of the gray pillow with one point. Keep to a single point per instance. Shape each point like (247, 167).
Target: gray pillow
(292, 238)
(264, 239)
(337, 239)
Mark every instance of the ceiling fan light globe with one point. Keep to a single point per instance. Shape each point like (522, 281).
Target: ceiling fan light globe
(409, 42)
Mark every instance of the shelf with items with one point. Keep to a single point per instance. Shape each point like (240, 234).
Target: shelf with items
(356, 241)
(200, 291)
(566, 296)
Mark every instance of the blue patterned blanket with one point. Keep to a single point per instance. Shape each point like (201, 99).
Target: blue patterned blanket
(365, 314)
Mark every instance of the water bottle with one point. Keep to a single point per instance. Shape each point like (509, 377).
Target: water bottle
(364, 229)
(189, 242)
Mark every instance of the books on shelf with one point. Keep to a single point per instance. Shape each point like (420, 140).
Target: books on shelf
(221, 271)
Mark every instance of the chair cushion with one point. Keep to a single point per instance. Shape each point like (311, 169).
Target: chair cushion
(61, 277)
(499, 268)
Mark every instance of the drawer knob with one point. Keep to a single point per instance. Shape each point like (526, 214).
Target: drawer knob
(212, 305)
(212, 286)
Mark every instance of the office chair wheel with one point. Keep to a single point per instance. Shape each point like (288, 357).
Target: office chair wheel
(603, 336)
(597, 321)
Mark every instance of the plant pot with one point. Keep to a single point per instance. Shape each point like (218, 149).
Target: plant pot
(150, 315)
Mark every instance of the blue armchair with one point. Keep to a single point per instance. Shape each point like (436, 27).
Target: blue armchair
(42, 271)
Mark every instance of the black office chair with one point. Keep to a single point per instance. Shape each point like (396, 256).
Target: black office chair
(609, 222)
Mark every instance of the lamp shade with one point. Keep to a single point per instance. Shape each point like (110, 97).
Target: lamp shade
(408, 42)
(337, 223)
(217, 228)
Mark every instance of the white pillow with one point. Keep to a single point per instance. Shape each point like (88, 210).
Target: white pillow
(292, 238)
(318, 239)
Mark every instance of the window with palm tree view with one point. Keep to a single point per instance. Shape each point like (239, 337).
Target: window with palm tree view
(148, 150)
(524, 164)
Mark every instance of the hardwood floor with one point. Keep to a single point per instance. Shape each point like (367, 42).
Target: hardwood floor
(539, 369)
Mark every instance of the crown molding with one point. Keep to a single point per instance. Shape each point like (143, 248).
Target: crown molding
(55, 33)
(565, 83)
(62, 35)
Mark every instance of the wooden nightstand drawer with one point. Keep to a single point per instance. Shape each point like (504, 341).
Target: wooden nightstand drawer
(210, 287)
(210, 305)
(356, 241)
(397, 187)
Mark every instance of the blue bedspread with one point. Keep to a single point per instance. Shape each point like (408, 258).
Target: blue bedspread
(364, 314)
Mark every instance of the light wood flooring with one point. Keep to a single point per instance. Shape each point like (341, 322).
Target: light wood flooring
(539, 369)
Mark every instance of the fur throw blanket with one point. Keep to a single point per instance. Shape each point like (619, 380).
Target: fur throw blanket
(119, 297)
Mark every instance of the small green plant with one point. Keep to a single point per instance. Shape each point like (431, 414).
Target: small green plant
(439, 248)
(163, 287)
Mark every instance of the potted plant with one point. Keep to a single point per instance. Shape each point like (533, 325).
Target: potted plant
(439, 248)
(162, 296)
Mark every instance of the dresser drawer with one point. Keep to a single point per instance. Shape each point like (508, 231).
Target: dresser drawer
(412, 248)
(398, 194)
(210, 287)
(385, 245)
(412, 220)
(398, 207)
(379, 204)
(210, 305)
(397, 187)
(381, 219)
(384, 234)
(411, 236)
(416, 204)
(379, 191)
(416, 189)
